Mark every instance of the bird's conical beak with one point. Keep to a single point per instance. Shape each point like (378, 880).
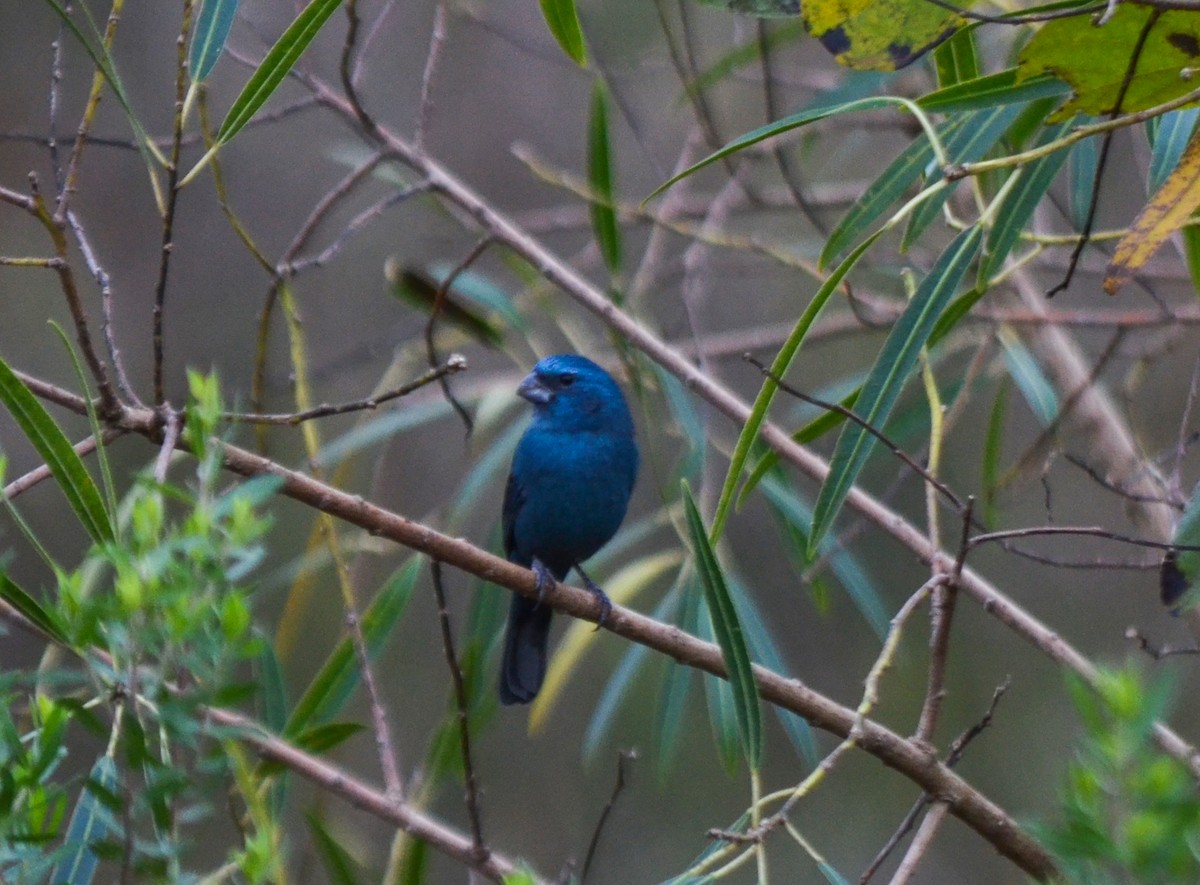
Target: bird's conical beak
(534, 390)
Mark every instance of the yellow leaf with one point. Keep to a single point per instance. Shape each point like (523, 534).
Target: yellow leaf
(581, 635)
(1166, 212)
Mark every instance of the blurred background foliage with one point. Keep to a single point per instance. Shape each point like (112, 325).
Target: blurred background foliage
(567, 129)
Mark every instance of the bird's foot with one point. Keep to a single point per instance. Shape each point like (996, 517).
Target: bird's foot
(601, 597)
(545, 580)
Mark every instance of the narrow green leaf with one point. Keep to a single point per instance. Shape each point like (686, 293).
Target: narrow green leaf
(273, 690)
(795, 121)
(883, 192)
(337, 679)
(600, 178)
(563, 21)
(267, 76)
(1081, 169)
(991, 90)
(55, 449)
(888, 375)
(208, 41)
(993, 449)
(416, 861)
(339, 865)
(1020, 203)
(728, 630)
(103, 61)
(976, 138)
(92, 821)
(317, 740)
(779, 367)
(1169, 136)
(957, 309)
(1035, 387)
(957, 60)
(30, 608)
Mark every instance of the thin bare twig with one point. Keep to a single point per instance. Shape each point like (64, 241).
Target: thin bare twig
(437, 40)
(439, 301)
(454, 363)
(624, 757)
(479, 846)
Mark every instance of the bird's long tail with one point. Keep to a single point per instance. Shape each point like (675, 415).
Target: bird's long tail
(524, 664)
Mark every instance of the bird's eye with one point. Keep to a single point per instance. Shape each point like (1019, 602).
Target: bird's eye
(566, 379)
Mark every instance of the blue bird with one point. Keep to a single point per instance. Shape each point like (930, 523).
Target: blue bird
(567, 491)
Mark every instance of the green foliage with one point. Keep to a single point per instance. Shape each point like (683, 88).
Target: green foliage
(1128, 812)
(1094, 60)
(162, 623)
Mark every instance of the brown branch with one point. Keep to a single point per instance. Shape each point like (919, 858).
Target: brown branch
(339, 782)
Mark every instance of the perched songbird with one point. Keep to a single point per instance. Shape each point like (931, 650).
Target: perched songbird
(571, 477)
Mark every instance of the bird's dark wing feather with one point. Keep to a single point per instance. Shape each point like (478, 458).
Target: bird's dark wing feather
(514, 499)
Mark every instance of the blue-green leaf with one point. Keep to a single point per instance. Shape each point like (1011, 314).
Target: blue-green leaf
(279, 60)
(1081, 169)
(1018, 206)
(212, 30)
(55, 449)
(887, 377)
(92, 821)
(1035, 387)
(728, 630)
(1169, 136)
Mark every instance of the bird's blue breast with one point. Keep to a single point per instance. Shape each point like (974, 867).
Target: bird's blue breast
(574, 489)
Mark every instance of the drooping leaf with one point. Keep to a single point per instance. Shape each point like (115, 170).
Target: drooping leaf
(728, 630)
(879, 35)
(887, 377)
(779, 367)
(563, 21)
(1171, 206)
(1094, 60)
(600, 178)
(419, 288)
(55, 449)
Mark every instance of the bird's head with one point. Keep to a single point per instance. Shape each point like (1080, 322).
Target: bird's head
(576, 393)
